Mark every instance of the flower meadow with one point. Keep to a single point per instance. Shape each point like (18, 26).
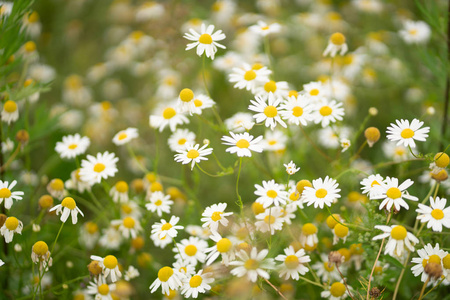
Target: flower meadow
(266, 149)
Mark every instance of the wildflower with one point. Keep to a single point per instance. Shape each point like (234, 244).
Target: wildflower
(94, 169)
(41, 255)
(428, 254)
(161, 242)
(109, 265)
(252, 265)
(372, 135)
(128, 227)
(119, 192)
(270, 220)
(371, 185)
(159, 203)
(167, 228)
(249, 78)
(322, 192)
(267, 112)
(167, 114)
(436, 215)
(326, 270)
(291, 168)
(56, 188)
(308, 237)
(336, 43)
(328, 112)
(296, 110)
(149, 10)
(125, 136)
(198, 283)
(262, 29)
(315, 91)
(72, 146)
(242, 144)
(10, 112)
(396, 152)
(185, 267)
(398, 239)
(5, 8)
(274, 141)
(223, 247)
(279, 89)
(200, 103)
(168, 278)
(293, 263)
(206, 41)
(393, 194)
(336, 291)
(405, 133)
(441, 160)
(270, 193)
(415, 32)
(339, 232)
(215, 215)
(7, 195)
(12, 225)
(76, 183)
(67, 207)
(31, 24)
(193, 154)
(240, 122)
(345, 144)
(100, 288)
(89, 234)
(191, 250)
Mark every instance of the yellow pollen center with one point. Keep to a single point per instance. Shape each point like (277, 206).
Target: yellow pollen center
(216, 216)
(99, 167)
(257, 66)
(195, 281)
(341, 230)
(242, 143)
(293, 93)
(437, 214)
(407, 133)
(186, 95)
(374, 183)
(57, 184)
(446, 261)
(169, 113)
(294, 196)
(10, 106)
(69, 203)
(30, 47)
(223, 245)
(40, 248)
(413, 31)
(309, 228)
(182, 141)
(337, 38)
(91, 227)
(270, 111)
(126, 209)
(269, 220)
(393, 193)
(205, 39)
(265, 28)
(122, 187)
(291, 262)
(166, 226)
(314, 92)
(328, 267)
(128, 222)
(72, 146)
(321, 193)
(325, 111)
(122, 136)
(398, 233)
(297, 111)
(11, 223)
(192, 154)
(110, 262)
(272, 142)
(158, 202)
(271, 194)
(198, 103)
(250, 75)
(337, 289)
(165, 273)
(251, 264)
(270, 86)
(190, 250)
(103, 289)
(33, 17)
(5, 193)
(378, 270)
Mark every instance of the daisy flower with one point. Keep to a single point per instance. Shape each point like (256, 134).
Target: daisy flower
(267, 112)
(125, 136)
(12, 225)
(242, 144)
(131, 273)
(167, 114)
(41, 255)
(252, 265)
(161, 242)
(291, 168)
(72, 146)
(168, 279)
(56, 188)
(76, 183)
(405, 133)
(180, 138)
(184, 267)
(191, 250)
(328, 112)
(293, 263)
(10, 112)
(249, 78)
(262, 29)
(7, 195)
(280, 89)
(193, 154)
(270, 220)
(316, 91)
(436, 215)
(308, 237)
(296, 110)
(119, 192)
(326, 270)
(129, 227)
(100, 288)
(336, 291)
(198, 231)
(198, 283)
(205, 41)
(371, 185)
(393, 194)
(67, 207)
(322, 192)
(159, 203)
(340, 232)
(271, 193)
(415, 32)
(167, 228)
(427, 254)
(336, 44)
(215, 215)
(200, 103)
(94, 169)
(240, 122)
(223, 247)
(274, 141)
(398, 239)
(109, 265)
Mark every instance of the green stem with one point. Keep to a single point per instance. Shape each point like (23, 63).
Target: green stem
(240, 204)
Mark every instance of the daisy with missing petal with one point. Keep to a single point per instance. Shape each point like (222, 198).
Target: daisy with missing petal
(161, 242)
(7, 195)
(249, 78)
(109, 265)
(267, 112)
(436, 215)
(159, 203)
(405, 133)
(180, 138)
(95, 168)
(398, 239)
(371, 185)
(323, 192)
(215, 215)
(10, 112)
(291, 168)
(12, 225)
(167, 114)
(296, 110)
(252, 265)
(270, 220)
(223, 247)
(308, 237)
(125, 136)
(336, 43)
(293, 263)
(242, 144)
(198, 283)
(72, 146)
(426, 255)
(168, 279)
(393, 194)
(191, 250)
(167, 228)
(206, 41)
(328, 112)
(192, 154)
(271, 193)
(67, 207)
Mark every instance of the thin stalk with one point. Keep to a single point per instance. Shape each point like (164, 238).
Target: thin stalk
(314, 145)
(241, 205)
(397, 286)
(423, 288)
(275, 288)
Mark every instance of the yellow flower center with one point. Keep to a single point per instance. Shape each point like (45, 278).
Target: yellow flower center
(216, 216)
(156, 186)
(72, 146)
(11, 223)
(158, 202)
(169, 113)
(110, 262)
(441, 159)
(57, 184)
(271, 194)
(331, 221)
(126, 209)
(190, 250)
(30, 46)
(314, 92)
(192, 154)
(378, 270)
(5, 193)
(398, 232)
(186, 95)
(270, 111)
(103, 289)
(250, 75)
(251, 264)
(291, 262)
(122, 136)
(33, 17)
(195, 281)
(99, 167)
(128, 222)
(270, 86)
(446, 261)
(393, 193)
(91, 227)
(302, 184)
(122, 187)
(407, 133)
(257, 66)
(198, 103)
(40, 248)
(337, 289)
(337, 38)
(309, 228)
(165, 273)
(437, 214)
(294, 196)
(293, 93)
(321, 193)
(10, 106)
(242, 143)
(205, 39)
(265, 28)
(69, 203)
(413, 31)
(374, 183)
(137, 35)
(166, 226)
(182, 141)
(257, 208)
(272, 142)
(223, 245)
(325, 111)
(341, 230)
(328, 267)
(297, 111)
(269, 220)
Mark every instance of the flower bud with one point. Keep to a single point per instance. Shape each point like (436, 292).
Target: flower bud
(372, 135)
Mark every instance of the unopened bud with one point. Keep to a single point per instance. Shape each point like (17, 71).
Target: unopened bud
(373, 111)
(206, 142)
(46, 201)
(372, 135)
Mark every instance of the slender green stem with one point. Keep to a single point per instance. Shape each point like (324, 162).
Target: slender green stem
(133, 155)
(439, 283)
(423, 288)
(267, 51)
(213, 175)
(397, 286)
(241, 205)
